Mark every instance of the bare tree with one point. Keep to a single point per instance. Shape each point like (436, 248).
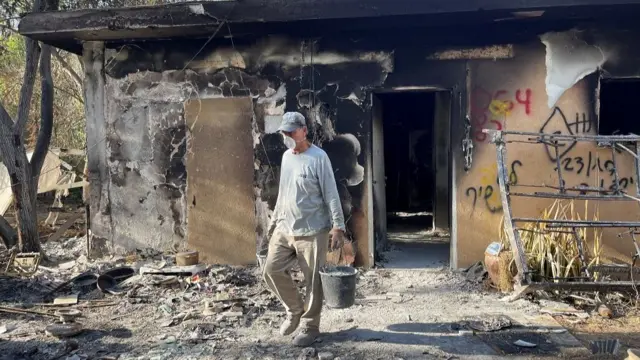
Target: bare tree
(24, 173)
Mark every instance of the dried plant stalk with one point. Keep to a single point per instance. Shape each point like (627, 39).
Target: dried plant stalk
(553, 255)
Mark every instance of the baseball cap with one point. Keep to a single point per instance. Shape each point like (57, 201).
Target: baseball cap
(292, 121)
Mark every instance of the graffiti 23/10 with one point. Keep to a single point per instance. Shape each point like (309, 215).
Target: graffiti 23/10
(490, 193)
(592, 163)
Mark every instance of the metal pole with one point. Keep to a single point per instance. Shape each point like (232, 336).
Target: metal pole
(616, 177)
(559, 168)
(637, 163)
(522, 278)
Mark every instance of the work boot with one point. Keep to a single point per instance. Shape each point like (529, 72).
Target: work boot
(306, 337)
(289, 325)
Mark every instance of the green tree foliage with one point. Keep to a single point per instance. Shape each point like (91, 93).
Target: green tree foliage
(38, 117)
(68, 108)
(67, 72)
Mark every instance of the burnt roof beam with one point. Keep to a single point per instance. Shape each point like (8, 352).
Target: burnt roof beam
(91, 23)
(197, 19)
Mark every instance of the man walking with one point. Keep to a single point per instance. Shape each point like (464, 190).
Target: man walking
(307, 212)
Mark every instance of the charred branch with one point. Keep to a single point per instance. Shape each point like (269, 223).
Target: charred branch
(68, 68)
(46, 114)
(26, 91)
(70, 93)
(8, 233)
(23, 174)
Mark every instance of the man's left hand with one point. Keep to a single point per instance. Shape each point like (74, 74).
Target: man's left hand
(337, 239)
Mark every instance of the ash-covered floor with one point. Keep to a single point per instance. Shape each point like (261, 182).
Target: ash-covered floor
(399, 314)
(414, 244)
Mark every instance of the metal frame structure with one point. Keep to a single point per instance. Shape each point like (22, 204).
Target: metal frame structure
(15, 264)
(586, 281)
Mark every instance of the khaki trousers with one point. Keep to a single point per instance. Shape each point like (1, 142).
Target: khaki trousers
(310, 252)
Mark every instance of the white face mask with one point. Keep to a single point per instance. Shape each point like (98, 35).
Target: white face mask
(288, 142)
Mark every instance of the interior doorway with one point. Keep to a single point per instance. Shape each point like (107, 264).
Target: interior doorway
(411, 176)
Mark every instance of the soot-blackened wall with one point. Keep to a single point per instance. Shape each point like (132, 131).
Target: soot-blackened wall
(141, 200)
(138, 139)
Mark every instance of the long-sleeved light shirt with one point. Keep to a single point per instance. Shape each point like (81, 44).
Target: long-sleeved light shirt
(308, 201)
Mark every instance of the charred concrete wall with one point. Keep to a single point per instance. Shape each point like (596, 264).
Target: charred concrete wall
(140, 201)
(146, 137)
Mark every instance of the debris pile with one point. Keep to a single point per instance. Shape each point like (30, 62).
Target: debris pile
(476, 273)
(184, 305)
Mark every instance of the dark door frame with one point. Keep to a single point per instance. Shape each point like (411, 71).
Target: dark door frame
(443, 186)
(413, 73)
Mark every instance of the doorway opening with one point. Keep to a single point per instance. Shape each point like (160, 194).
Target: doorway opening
(412, 191)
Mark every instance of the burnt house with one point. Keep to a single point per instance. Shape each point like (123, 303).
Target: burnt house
(182, 103)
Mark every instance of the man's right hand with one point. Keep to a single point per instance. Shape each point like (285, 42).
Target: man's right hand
(337, 239)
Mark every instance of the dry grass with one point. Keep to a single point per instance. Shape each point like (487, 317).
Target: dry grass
(553, 255)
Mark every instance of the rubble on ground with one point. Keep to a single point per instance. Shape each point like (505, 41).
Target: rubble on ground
(476, 273)
(201, 311)
(197, 311)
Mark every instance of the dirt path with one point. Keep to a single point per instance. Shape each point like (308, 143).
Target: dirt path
(410, 314)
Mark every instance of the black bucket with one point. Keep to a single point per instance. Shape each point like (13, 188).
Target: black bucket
(339, 286)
